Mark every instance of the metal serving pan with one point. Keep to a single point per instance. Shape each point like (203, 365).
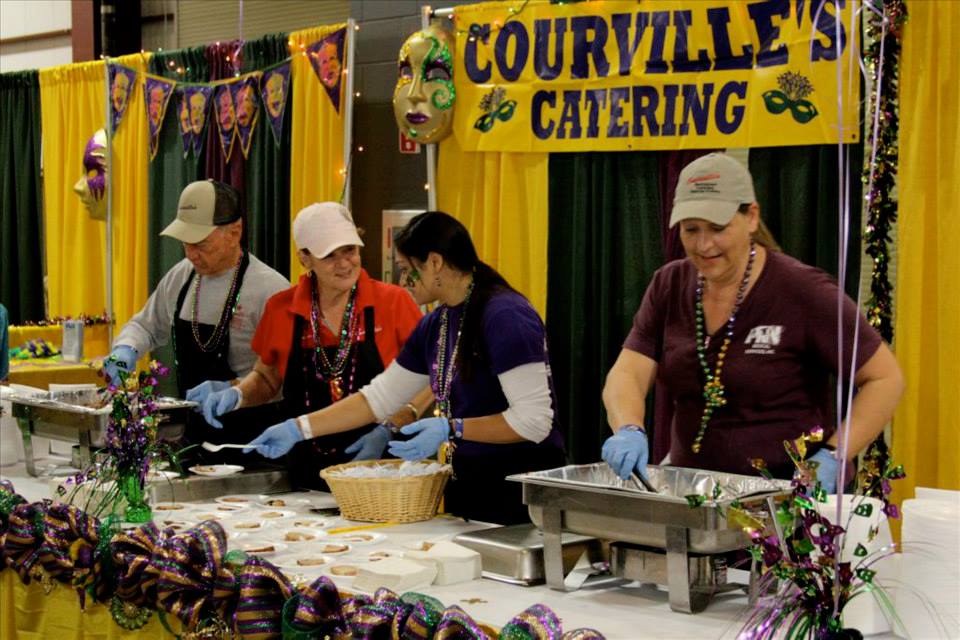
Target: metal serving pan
(593, 501)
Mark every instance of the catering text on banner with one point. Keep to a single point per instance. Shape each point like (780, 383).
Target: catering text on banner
(684, 74)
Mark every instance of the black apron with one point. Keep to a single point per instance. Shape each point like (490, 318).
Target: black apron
(195, 366)
(302, 382)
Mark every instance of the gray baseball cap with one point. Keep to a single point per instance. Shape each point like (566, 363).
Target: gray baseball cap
(712, 188)
(204, 206)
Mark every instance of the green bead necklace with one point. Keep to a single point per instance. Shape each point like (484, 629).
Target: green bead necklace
(713, 391)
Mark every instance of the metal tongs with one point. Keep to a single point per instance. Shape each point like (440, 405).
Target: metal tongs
(642, 483)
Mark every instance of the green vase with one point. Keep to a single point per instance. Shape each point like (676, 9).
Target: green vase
(137, 511)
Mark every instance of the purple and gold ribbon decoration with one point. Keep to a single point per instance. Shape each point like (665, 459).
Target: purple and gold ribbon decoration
(583, 634)
(315, 612)
(423, 619)
(263, 590)
(537, 622)
(9, 499)
(72, 541)
(377, 619)
(190, 565)
(326, 58)
(133, 554)
(23, 546)
(456, 624)
(274, 87)
(156, 96)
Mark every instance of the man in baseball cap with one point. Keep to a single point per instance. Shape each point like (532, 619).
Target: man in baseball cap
(209, 303)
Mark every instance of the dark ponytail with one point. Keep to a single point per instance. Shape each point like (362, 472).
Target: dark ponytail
(443, 234)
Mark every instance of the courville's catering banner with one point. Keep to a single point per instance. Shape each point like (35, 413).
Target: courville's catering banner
(664, 74)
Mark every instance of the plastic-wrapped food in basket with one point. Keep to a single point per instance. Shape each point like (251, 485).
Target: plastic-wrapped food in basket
(387, 490)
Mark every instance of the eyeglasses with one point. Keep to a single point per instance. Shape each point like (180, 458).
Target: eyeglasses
(409, 277)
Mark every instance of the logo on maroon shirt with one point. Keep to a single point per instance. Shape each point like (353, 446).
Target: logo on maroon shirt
(763, 339)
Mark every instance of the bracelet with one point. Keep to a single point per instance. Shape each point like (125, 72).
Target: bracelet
(632, 427)
(304, 423)
(390, 426)
(413, 410)
(456, 424)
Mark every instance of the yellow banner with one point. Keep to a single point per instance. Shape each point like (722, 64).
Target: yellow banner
(665, 74)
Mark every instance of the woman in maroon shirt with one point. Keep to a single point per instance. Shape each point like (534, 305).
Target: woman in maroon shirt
(745, 340)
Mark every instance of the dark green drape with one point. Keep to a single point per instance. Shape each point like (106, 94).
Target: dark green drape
(268, 167)
(169, 171)
(797, 190)
(21, 197)
(604, 246)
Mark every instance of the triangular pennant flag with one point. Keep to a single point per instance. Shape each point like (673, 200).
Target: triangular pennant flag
(248, 108)
(193, 110)
(274, 86)
(156, 93)
(122, 80)
(326, 57)
(226, 117)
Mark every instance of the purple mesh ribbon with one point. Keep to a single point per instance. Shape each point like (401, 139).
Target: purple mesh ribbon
(537, 621)
(190, 567)
(583, 634)
(376, 619)
(133, 553)
(456, 624)
(263, 590)
(9, 499)
(319, 608)
(24, 539)
(70, 541)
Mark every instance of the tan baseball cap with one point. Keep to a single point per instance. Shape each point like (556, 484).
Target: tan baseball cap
(204, 206)
(324, 227)
(712, 188)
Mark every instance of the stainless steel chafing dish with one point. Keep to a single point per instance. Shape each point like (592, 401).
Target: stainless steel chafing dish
(83, 425)
(658, 537)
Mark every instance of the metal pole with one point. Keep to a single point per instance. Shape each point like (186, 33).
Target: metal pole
(425, 15)
(348, 111)
(108, 129)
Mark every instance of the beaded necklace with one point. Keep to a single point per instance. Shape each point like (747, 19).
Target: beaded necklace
(445, 370)
(713, 391)
(229, 307)
(332, 372)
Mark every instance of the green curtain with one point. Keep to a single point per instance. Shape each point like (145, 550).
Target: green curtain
(21, 207)
(268, 167)
(797, 190)
(603, 249)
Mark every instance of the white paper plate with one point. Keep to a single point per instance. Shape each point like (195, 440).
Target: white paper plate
(420, 545)
(255, 547)
(160, 475)
(330, 548)
(300, 537)
(282, 502)
(345, 570)
(208, 514)
(358, 538)
(383, 554)
(275, 514)
(243, 500)
(245, 524)
(170, 510)
(216, 470)
(310, 522)
(289, 561)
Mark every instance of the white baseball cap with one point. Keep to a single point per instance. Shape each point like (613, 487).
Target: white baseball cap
(712, 188)
(324, 227)
(204, 205)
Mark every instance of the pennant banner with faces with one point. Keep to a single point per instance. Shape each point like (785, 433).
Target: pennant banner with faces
(122, 80)
(326, 58)
(274, 87)
(192, 113)
(156, 92)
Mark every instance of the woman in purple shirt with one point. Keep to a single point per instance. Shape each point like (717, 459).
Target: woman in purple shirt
(483, 351)
(744, 338)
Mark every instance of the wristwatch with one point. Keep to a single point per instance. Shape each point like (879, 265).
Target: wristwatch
(456, 426)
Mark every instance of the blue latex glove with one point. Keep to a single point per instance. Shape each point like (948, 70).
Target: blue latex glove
(277, 440)
(219, 403)
(122, 358)
(200, 392)
(827, 471)
(625, 451)
(370, 445)
(431, 433)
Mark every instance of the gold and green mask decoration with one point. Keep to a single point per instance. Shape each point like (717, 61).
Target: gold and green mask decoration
(424, 96)
(794, 88)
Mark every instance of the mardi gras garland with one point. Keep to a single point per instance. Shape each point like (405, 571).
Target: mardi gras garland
(88, 321)
(214, 593)
(882, 32)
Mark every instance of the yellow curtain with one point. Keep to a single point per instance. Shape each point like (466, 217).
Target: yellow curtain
(72, 109)
(317, 164)
(502, 199)
(927, 302)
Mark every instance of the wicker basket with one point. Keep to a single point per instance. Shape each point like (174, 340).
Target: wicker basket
(392, 499)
